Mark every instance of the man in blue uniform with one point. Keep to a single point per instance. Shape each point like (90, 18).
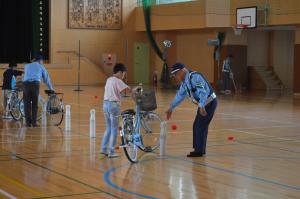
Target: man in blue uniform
(33, 74)
(196, 87)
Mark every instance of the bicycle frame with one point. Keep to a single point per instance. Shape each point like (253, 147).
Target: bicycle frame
(137, 126)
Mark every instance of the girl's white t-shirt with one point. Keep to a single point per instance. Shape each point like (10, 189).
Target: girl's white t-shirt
(113, 88)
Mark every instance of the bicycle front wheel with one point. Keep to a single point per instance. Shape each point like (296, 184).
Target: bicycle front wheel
(15, 110)
(55, 111)
(150, 131)
(127, 138)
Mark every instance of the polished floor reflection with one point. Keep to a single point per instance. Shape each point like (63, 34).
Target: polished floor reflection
(253, 152)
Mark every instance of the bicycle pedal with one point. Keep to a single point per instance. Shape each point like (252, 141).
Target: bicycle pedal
(148, 149)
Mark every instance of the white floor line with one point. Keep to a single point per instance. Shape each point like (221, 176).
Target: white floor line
(60, 139)
(263, 135)
(78, 137)
(256, 118)
(216, 119)
(47, 127)
(266, 127)
(234, 129)
(7, 194)
(245, 117)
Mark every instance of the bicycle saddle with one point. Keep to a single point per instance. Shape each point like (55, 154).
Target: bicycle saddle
(49, 92)
(128, 112)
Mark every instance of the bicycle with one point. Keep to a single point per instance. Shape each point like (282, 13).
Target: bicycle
(140, 126)
(13, 103)
(53, 107)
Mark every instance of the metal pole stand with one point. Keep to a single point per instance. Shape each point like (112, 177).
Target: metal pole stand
(78, 75)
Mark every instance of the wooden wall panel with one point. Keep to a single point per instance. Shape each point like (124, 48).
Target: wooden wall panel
(297, 68)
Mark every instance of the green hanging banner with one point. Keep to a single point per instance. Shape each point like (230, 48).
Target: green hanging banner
(40, 28)
(165, 76)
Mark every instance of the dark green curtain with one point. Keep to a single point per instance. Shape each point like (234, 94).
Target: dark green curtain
(40, 27)
(15, 30)
(217, 53)
(24, 29)
(165, 75)
(221, 37)
(147, 14)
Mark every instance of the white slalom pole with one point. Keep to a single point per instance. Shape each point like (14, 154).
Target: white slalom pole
(68, 118)
(92, 123)
(92, 150)
(162, 138)
(44, 115)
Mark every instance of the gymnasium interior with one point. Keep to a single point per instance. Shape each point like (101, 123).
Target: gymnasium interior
(253, 144)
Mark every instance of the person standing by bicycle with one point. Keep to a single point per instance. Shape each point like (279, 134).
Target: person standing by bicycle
(111, 107)
(33, 74)
(9, 79)
(195, 85)
(226, 71)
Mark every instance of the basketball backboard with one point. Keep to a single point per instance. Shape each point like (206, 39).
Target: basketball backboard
(246, 16)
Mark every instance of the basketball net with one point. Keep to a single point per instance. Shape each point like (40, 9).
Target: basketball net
(238, 29)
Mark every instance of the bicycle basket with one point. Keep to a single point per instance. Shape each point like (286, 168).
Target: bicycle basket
(54, 105)
(146, 100)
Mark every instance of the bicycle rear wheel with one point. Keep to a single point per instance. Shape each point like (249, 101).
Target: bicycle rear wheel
(150, 131)
(55, 110)
(127, 138)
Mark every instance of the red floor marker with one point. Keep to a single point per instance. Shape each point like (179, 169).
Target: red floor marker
(230, 138)
(174, 127)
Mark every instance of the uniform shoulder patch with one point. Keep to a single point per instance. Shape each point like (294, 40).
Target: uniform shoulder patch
(199, 85)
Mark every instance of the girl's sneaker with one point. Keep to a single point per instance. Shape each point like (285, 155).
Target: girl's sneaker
(113, 155)
(104, 153)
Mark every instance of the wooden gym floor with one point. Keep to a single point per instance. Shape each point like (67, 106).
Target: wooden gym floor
(261, 162)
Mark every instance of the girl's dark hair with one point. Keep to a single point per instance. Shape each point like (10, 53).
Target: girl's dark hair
(119, 67)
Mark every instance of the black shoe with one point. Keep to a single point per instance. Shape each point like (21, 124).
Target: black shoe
(195, 154)
(28, 125)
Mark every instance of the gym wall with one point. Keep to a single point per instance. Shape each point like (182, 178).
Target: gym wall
(63, 66)
(189, 47)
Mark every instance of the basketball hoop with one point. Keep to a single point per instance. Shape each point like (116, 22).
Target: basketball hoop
(239, 28)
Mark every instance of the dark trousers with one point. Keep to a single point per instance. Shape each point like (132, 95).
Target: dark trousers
(31, 97)
(200, 127)
(226, 80)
